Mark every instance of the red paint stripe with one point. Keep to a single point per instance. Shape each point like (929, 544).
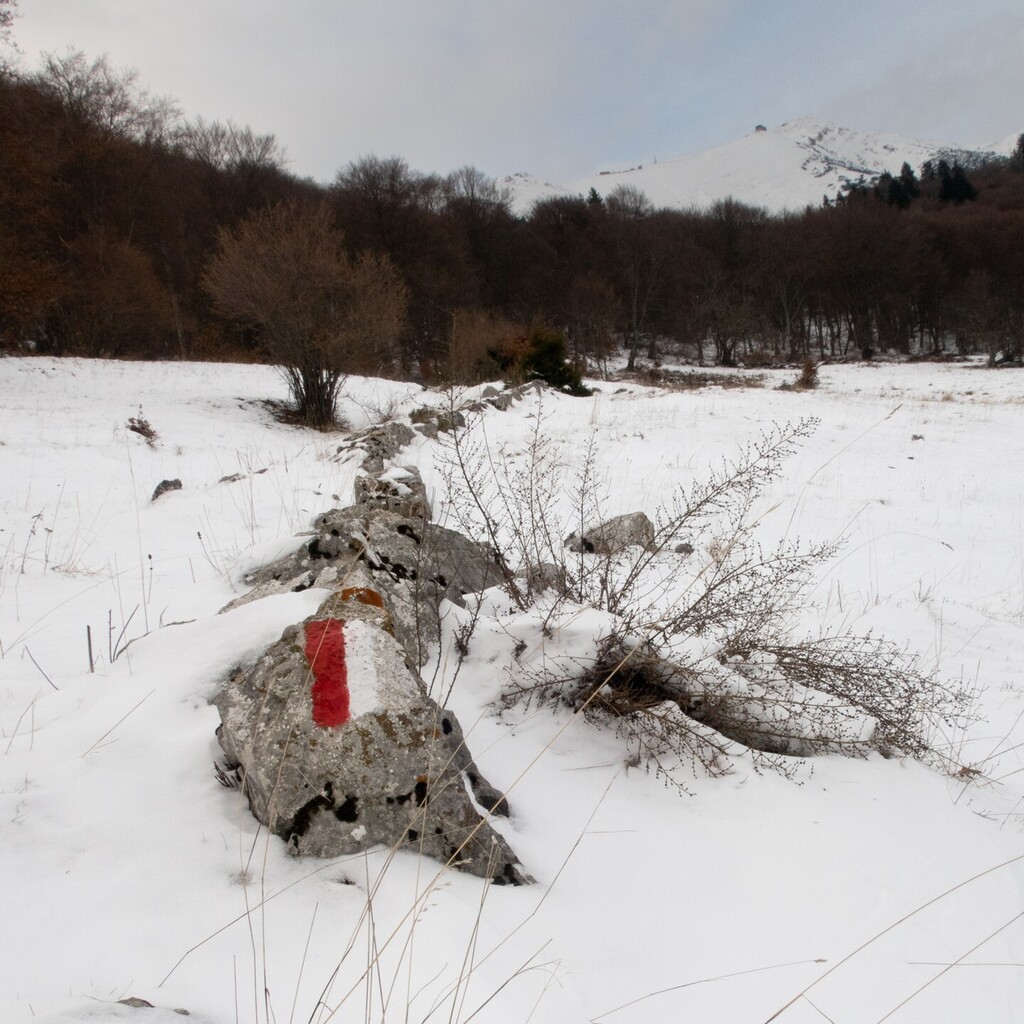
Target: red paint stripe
(325, 652)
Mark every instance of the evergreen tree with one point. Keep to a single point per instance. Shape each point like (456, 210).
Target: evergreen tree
(1017, 156)
(909, 183)
(545, 360)
(954, 186)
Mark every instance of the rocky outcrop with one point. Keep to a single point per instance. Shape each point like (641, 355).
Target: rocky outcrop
(340, 749)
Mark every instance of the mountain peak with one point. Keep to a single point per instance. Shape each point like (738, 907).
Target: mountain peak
(788, 167)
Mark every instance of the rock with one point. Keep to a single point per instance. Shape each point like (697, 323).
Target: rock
(432, 421)
(164, 486)
(614, 535)
(379, 444)
(340, 748)
(412, 563)
(543, 576)
(502, 402)
(405, 548)
(427, 430)
(398, 489)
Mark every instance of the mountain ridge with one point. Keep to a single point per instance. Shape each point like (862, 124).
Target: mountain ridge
(789, 167)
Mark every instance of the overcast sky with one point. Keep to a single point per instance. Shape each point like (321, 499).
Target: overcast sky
(560, 88)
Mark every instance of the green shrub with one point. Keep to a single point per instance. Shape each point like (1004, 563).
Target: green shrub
(541, 356)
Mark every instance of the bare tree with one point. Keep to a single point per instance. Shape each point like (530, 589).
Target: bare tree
(105, 98)
(473, 194)
(633, 230)
(228, 146)
(8, 9)
(320, 314)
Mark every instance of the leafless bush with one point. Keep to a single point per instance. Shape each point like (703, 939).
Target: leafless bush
(320, 313)
(700, 666)
(141, 426)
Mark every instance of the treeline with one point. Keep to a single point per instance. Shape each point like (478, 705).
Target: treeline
(111, 208)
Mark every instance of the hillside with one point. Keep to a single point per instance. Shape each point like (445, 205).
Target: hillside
(783, 168)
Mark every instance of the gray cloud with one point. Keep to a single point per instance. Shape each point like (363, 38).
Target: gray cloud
(559, 89)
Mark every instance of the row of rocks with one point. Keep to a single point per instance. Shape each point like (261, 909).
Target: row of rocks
(333, 733)
(337, 742)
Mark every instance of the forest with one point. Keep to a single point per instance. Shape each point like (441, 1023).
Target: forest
(113, 207)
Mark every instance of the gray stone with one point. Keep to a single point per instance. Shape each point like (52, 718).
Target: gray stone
(543, 576)
(348, 752)
(164, 486)
(414, 564)
(614, 535)
(398, 489)
(378, 444)
(405, 548)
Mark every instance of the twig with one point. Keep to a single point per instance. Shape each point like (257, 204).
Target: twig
(17, 724)
(117, 723)
(40, 667)
(885, 931)
(705, 981)
(949, 967)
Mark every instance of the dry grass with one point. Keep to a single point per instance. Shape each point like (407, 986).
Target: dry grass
(693, 380)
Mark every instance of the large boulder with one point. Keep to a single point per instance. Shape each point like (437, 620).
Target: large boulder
(340, 749)
(614, 535)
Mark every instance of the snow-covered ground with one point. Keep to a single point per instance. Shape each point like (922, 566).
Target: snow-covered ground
(857, 891)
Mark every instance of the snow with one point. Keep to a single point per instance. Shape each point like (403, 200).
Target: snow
(127, 870)
(787, 167)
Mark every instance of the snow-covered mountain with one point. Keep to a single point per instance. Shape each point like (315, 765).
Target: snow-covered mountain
(783, 168)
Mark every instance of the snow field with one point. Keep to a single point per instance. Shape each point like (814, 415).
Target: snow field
(125, 863)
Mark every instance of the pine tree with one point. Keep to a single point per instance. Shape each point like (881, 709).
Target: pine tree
(1017, 156)
(954, 186)
(909, 183)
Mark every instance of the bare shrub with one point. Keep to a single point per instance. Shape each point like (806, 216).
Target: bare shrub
(319, 313)
(141, 426)
(699, 665)
(476, 336)
(807, 379)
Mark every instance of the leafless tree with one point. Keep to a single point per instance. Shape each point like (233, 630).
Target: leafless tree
(471, 192)
(320, 314)
(104, 98)
(8, 9)
(228, 146)
(641, 261)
